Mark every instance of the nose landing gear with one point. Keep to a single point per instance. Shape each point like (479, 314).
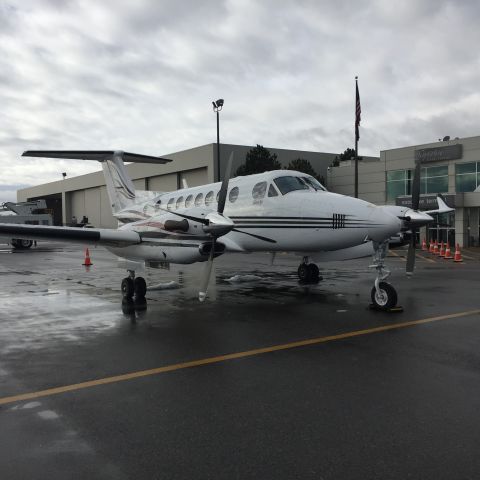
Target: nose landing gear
(383, 295)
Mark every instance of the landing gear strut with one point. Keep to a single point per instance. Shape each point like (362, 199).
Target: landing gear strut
(383, 295)
(132, 285)
(308, 272)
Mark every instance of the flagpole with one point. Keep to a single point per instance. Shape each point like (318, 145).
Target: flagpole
(357, 135)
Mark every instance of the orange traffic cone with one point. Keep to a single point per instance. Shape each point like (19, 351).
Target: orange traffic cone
(441, 253)
(448, 253)
(424, 245)
(87, 261)
(435, 248)
(432, 245)
(458, 255)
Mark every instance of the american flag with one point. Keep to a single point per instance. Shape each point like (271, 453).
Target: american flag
(358, 112)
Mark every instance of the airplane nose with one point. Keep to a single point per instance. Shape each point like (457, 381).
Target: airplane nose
(384, 225)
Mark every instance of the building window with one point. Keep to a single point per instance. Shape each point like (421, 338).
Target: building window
(432, 180)
(467, 176)
(398, 183)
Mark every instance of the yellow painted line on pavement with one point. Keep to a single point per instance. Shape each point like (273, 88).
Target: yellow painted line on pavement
(231, 356)
(426, 258)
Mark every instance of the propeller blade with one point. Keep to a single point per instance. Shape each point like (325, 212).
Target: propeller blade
(265, 239)
(207, 271)
(222, 196)
(411, 254)
(416, 187)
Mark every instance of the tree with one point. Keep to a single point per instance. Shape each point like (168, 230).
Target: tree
(258, 160)
(302, 165)
(348, 154)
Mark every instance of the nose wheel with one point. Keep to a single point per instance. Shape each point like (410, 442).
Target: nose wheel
(383, 295)
(132, 285)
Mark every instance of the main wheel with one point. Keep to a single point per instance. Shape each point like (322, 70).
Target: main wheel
(127, 287)
(140, 287)
(21, 244)
(386, 299)
(303, 272)
(313, 273)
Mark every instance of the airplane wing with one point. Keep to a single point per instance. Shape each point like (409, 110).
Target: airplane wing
(97, 236)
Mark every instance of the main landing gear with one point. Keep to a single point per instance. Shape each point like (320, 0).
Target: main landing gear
(132, 285)
(308, 272)
(383, 295)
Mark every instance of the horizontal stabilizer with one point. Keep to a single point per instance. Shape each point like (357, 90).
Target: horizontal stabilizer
(99, 155)
(97, 236)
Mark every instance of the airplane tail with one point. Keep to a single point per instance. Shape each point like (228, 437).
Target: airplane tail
(120, 188)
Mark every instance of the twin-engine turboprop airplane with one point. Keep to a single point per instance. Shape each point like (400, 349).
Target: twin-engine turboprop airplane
(274, 211)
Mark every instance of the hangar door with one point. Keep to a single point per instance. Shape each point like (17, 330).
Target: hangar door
(195, 177)
(163, 183)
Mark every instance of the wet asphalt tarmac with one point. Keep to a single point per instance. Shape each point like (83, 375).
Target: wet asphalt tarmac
(400, 403)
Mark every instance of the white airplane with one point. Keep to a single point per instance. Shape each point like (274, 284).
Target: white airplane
(275, 211)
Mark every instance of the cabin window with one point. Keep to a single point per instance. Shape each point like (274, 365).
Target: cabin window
(289, 184)
(209, 198)
(259, 190)
(272, 191)
(218, 196)
(233, 195)
(189, 201)
(170, 204)
(179, 202)
(198, 199)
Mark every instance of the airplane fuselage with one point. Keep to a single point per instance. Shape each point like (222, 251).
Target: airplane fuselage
(275, 211)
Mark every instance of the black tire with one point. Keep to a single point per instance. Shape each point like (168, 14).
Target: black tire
(127, 287)
(20, 244)
(387, 299)
(303, 272)
(140, 287)
(313, 273)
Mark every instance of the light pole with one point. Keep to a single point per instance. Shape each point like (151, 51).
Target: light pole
(217, 107)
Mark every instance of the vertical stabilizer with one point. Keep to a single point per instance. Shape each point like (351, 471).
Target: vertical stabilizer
(120, 188)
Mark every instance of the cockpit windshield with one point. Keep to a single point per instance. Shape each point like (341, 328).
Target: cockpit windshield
(288, 184)
(314, 183)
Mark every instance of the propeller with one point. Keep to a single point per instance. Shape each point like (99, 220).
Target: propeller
(415, 204)
(217, 226)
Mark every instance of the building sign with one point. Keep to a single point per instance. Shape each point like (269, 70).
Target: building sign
(427, 202)
(438, 154)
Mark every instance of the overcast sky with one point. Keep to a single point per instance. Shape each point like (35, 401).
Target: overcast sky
(140, 76)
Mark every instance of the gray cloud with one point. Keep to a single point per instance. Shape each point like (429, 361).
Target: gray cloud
(141, 75)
